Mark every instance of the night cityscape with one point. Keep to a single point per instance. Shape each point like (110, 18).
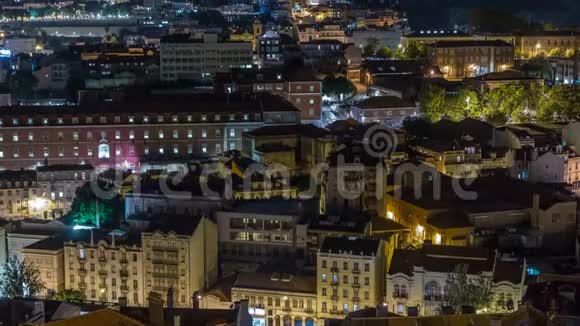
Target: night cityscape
(289, 162)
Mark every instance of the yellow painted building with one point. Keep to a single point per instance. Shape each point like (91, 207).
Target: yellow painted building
(350, 276)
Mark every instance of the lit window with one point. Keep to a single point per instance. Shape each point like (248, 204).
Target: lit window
(60, 151)
(76, 151)
(146, 150)
(218, 148)
(30, 121)
(203, 133)
(145, 119)
(117, 134)
(118, 150)
(89, 151)
(160, 134)
(30, 136)
(44, 121)
(217, 117)
(203, 117)
(75, 135)
(189, 133)
(189, 118)
(146, 134)
(175, 149)
(131, 134)
(15, 122)
(189, 149)
(103, 151)
(175, 134)
(174, 118)
(161, 150)
(15, 137)
(232, 132)
(1, 154)
(311, 101)
(45, 151)
(204, 148)
(232, 146)
(246, 116)
(160, 118)
(131, 119)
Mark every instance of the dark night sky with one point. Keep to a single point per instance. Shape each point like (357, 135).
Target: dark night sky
(444, 13)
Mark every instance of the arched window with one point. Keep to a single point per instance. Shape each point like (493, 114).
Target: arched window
(432, 291)
(104, 150)
(501, 299)
(397, 291)
(403, 291)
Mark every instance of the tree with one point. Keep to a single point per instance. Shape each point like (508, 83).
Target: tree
(556, 52)
(433, 101)
(560, 103)
(414, 51)
(465, 104)
(84, 206)
(504, 104)
(20, 280)
(417, 127)
(67, 295)
(462, 290)
(371, 47)
(332, 86)
(385, 53)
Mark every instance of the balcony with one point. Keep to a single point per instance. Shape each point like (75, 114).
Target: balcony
(336, 312)
(102, 286)
(356, 285)
(356, 271)
(124, 273)
(124, 261)
(287, 308)
(431, 297)
(102, 259)
(400, 295)
(334, 269)
(165, 275)
(82, 285)
(355, 299)
(124, 288)
(82, 271)
(309, 310)
(103, 272)
(334, 298)
(334, 283)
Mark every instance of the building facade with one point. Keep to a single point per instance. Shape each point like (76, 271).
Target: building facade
(278, 299)
(350, 276)
(461, 59)
(188, 58)
(180, 258)
(105, 267)
(122, 134)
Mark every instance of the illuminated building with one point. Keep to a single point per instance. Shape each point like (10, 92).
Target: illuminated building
(278, 298)
(544, 43)
(124, 133)
(184, 57)
(460, 59)
(105, 267)
(350, 276)
(416, 278)
(180, 258)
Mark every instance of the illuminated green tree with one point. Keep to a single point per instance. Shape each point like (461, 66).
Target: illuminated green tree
(465, 290)
(560, 103)
(67, 295)
(20, 280)
(384, 52)
(433, 101)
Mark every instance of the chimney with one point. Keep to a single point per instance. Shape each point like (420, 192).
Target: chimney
(156, 317)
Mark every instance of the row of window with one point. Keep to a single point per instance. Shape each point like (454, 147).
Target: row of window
(146, 135)
(345, 307)
(104, 150)
(345, 293)
(345, 278)
(133, 119)
(345, 266)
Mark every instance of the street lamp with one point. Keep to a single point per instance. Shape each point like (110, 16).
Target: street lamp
(538, 47)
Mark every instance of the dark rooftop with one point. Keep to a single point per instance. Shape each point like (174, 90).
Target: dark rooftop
(277, 282)
(308, 130)
(355, 246)
(182, 225)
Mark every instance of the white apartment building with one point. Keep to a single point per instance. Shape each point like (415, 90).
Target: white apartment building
(416, 278)
(192, 57)
(105, 267)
